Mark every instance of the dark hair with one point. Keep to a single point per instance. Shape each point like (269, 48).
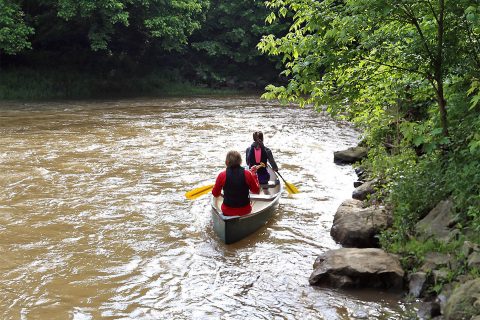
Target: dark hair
(258, 136)
(233, 159)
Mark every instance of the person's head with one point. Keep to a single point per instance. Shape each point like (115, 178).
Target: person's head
(258, 137)
(233, 159)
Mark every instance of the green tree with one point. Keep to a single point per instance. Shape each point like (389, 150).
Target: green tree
(14, 32)
(367, 55)
(226, 43)
(407, 72)
(170, 22)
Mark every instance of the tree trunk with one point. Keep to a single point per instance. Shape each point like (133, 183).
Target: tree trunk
(442, 105)
(438, 65)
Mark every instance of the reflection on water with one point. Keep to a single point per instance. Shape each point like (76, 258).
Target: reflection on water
(93, 220)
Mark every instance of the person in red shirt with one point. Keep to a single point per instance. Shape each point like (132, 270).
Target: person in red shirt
(237, 183)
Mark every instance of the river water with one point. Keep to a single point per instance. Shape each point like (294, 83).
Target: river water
(94, 222)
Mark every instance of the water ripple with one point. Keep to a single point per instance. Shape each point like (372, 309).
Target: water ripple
(94, 224)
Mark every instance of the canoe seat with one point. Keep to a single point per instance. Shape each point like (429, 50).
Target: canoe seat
(270, 184)
(264, 197)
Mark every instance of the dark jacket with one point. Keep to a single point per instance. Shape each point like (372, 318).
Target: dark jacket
(266, 155)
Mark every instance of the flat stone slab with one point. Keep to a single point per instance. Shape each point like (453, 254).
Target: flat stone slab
(350, 155)
(358, 268)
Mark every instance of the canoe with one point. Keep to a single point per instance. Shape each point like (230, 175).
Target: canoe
(234, 228)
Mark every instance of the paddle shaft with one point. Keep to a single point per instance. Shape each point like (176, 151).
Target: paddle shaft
(281, 177)
(278, 174)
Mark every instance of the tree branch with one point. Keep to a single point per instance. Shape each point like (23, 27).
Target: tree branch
(394, 66)
(432, 9)
(414, 21)
(432, 82)
(427, 75)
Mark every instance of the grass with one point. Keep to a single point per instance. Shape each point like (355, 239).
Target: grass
(28, 84)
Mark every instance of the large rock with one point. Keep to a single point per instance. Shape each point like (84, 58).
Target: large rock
(428, 310)
(438, 222)
(474, 260)
(469, 247)
(444, 295)
(417, 283)
(355, 226)
(472, 253)
(351, 155)
(351, 267)
(435, 260)
(464, 302)
(367, 188)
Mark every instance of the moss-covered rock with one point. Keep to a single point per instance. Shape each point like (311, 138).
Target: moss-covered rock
(464, 303)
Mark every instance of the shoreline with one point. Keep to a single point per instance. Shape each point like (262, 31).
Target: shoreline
(433, 281)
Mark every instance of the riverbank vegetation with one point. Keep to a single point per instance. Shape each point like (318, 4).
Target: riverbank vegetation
(71, 49)
(32, 84)
(407, 74)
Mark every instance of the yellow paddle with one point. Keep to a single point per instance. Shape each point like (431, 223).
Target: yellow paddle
(290, 187)
(198, 192)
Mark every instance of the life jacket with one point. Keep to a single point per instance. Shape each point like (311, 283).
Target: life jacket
(235, 190)
(263, 158)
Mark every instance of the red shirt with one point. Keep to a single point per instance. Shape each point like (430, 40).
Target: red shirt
(252, 181)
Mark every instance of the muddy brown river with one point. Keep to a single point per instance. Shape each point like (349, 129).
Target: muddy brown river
(94, 223)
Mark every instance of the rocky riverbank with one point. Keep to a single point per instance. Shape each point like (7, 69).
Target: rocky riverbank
(438, 279)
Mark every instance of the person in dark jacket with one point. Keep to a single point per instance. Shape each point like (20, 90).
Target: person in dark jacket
(258, 154)
(237, 183)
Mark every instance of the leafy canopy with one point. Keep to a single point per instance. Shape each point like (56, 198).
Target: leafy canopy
(375, 60)
(102, 21)
(13, 30)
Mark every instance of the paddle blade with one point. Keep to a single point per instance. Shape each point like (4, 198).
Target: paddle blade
(291, 188)
(198, 192)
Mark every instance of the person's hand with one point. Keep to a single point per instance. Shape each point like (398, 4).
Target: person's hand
(255, 168)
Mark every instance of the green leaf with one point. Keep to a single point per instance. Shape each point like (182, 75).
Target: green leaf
(418, 140)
